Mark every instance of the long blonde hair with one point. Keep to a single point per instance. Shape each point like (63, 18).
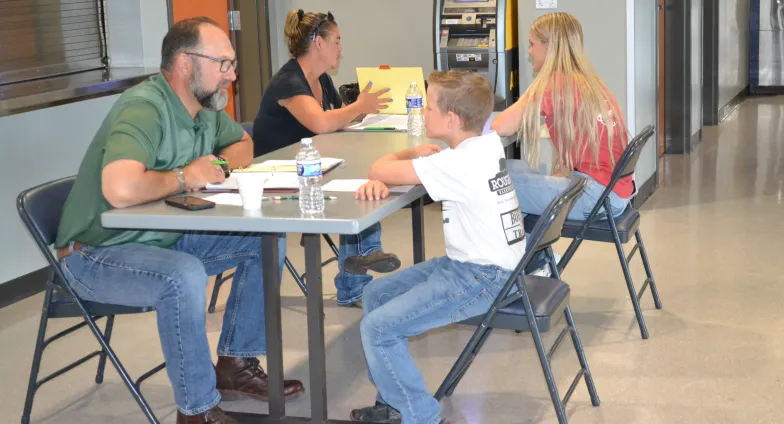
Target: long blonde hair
(580, 100)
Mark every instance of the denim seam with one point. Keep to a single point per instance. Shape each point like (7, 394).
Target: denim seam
(229, 256)
(75, 281)
(238, 295)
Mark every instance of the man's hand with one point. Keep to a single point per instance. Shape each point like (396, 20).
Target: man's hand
(372, 190)
(201, 172)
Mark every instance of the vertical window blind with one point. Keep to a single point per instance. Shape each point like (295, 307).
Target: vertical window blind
(46, 38)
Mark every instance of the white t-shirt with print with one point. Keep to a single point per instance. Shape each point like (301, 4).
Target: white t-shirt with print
(481, 215)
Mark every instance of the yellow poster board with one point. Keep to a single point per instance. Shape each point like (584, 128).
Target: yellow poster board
(397, 80)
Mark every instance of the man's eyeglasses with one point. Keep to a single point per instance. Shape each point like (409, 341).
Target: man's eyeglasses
(225, 64)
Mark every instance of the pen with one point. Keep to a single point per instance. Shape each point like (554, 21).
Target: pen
(380, 128)
(297, 198)
(215, 162)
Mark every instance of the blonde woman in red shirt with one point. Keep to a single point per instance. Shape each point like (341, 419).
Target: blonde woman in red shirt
(583, 118)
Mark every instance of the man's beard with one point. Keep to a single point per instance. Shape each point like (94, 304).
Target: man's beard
(211, 100)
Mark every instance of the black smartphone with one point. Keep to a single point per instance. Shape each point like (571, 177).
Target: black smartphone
(190, 203)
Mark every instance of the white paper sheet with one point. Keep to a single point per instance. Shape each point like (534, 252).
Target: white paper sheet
(353, 185)
(396, 122)
(280, 180)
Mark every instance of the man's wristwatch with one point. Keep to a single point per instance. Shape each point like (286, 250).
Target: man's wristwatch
(181, 180)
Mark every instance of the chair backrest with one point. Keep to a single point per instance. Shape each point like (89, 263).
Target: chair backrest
(248, 127)
(623, 168)
(628, 161)
(40, 209)
(550, 224)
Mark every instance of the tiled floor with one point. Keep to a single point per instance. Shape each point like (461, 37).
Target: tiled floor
(715, 355)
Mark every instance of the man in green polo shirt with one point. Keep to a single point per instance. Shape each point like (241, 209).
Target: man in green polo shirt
(160, 138)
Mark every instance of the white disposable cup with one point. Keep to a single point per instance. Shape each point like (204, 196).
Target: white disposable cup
(251, 185)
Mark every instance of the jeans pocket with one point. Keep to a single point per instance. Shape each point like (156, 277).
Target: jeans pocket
(478, 305)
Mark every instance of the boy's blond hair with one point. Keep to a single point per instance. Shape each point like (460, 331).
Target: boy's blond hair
(467, 95)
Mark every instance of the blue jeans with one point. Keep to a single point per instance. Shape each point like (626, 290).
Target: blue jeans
(428, 295)
(535, 191)
(350, 285)
(174, 281)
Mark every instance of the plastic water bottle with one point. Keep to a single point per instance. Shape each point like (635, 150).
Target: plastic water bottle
(416, 120)
(311, 196)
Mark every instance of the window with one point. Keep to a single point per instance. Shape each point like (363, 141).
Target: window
(45, 38)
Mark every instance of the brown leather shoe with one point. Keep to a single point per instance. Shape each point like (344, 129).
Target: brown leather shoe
(243, 377)
(213, 416)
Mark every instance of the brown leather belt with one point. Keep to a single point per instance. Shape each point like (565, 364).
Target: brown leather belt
(65, 251)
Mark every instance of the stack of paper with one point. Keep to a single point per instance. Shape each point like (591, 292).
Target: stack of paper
(276, 181)
(378, 122)
(327, 164)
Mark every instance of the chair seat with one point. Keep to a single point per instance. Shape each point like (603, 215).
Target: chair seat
(627, 224)
(549, 297)
(63, 306)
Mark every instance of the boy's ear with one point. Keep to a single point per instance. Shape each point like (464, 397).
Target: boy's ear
(453, 121)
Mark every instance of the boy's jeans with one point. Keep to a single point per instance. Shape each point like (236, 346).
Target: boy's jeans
(428, 295)
(174, 281)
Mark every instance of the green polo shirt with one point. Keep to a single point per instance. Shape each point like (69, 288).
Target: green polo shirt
(149, 124)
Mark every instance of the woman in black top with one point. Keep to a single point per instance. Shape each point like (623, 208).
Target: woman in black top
(301, 101)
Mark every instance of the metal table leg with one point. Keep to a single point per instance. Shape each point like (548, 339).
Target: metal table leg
(418, 229)
(316, 344)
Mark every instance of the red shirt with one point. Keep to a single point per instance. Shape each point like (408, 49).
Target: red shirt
(583, 161)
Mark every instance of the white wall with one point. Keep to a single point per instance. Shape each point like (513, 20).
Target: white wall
(136, 30)
(604, 27)
(733, 48)
(48, 144)
(696, 65)
(642, 26)
(374, 32)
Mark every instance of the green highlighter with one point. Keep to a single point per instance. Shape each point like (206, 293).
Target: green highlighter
(380, 128)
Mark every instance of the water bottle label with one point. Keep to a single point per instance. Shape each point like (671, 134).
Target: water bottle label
(414, 102)
(309, 169)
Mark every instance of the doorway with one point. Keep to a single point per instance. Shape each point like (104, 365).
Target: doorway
(660, 67)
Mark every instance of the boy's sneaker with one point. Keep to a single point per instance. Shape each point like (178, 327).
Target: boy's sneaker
(377, 261)
(378, 413)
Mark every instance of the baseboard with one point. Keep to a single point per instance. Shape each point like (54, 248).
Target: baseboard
(646, 190)
(21, 288)
(727, 109)
(695, 140)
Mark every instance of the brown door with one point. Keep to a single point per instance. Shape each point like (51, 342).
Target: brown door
(660, 64)
(215, 9)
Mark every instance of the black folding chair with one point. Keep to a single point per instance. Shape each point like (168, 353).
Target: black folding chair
(298, 278)
(40, 209)
(534, 307)
(601, 226)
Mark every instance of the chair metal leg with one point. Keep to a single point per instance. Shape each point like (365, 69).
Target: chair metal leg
(295, 274)
(107, 334)
(458, 377)
(626, 273)
(648, 272)
(331, 244)
(560, 411)
(215, 290)
(578, 347)
(463, 362)
(32, 384)
(145, 407)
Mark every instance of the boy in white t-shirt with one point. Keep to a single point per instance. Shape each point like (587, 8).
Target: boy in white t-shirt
(484, 235)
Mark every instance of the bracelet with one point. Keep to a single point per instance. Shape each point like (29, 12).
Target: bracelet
(181, 180)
